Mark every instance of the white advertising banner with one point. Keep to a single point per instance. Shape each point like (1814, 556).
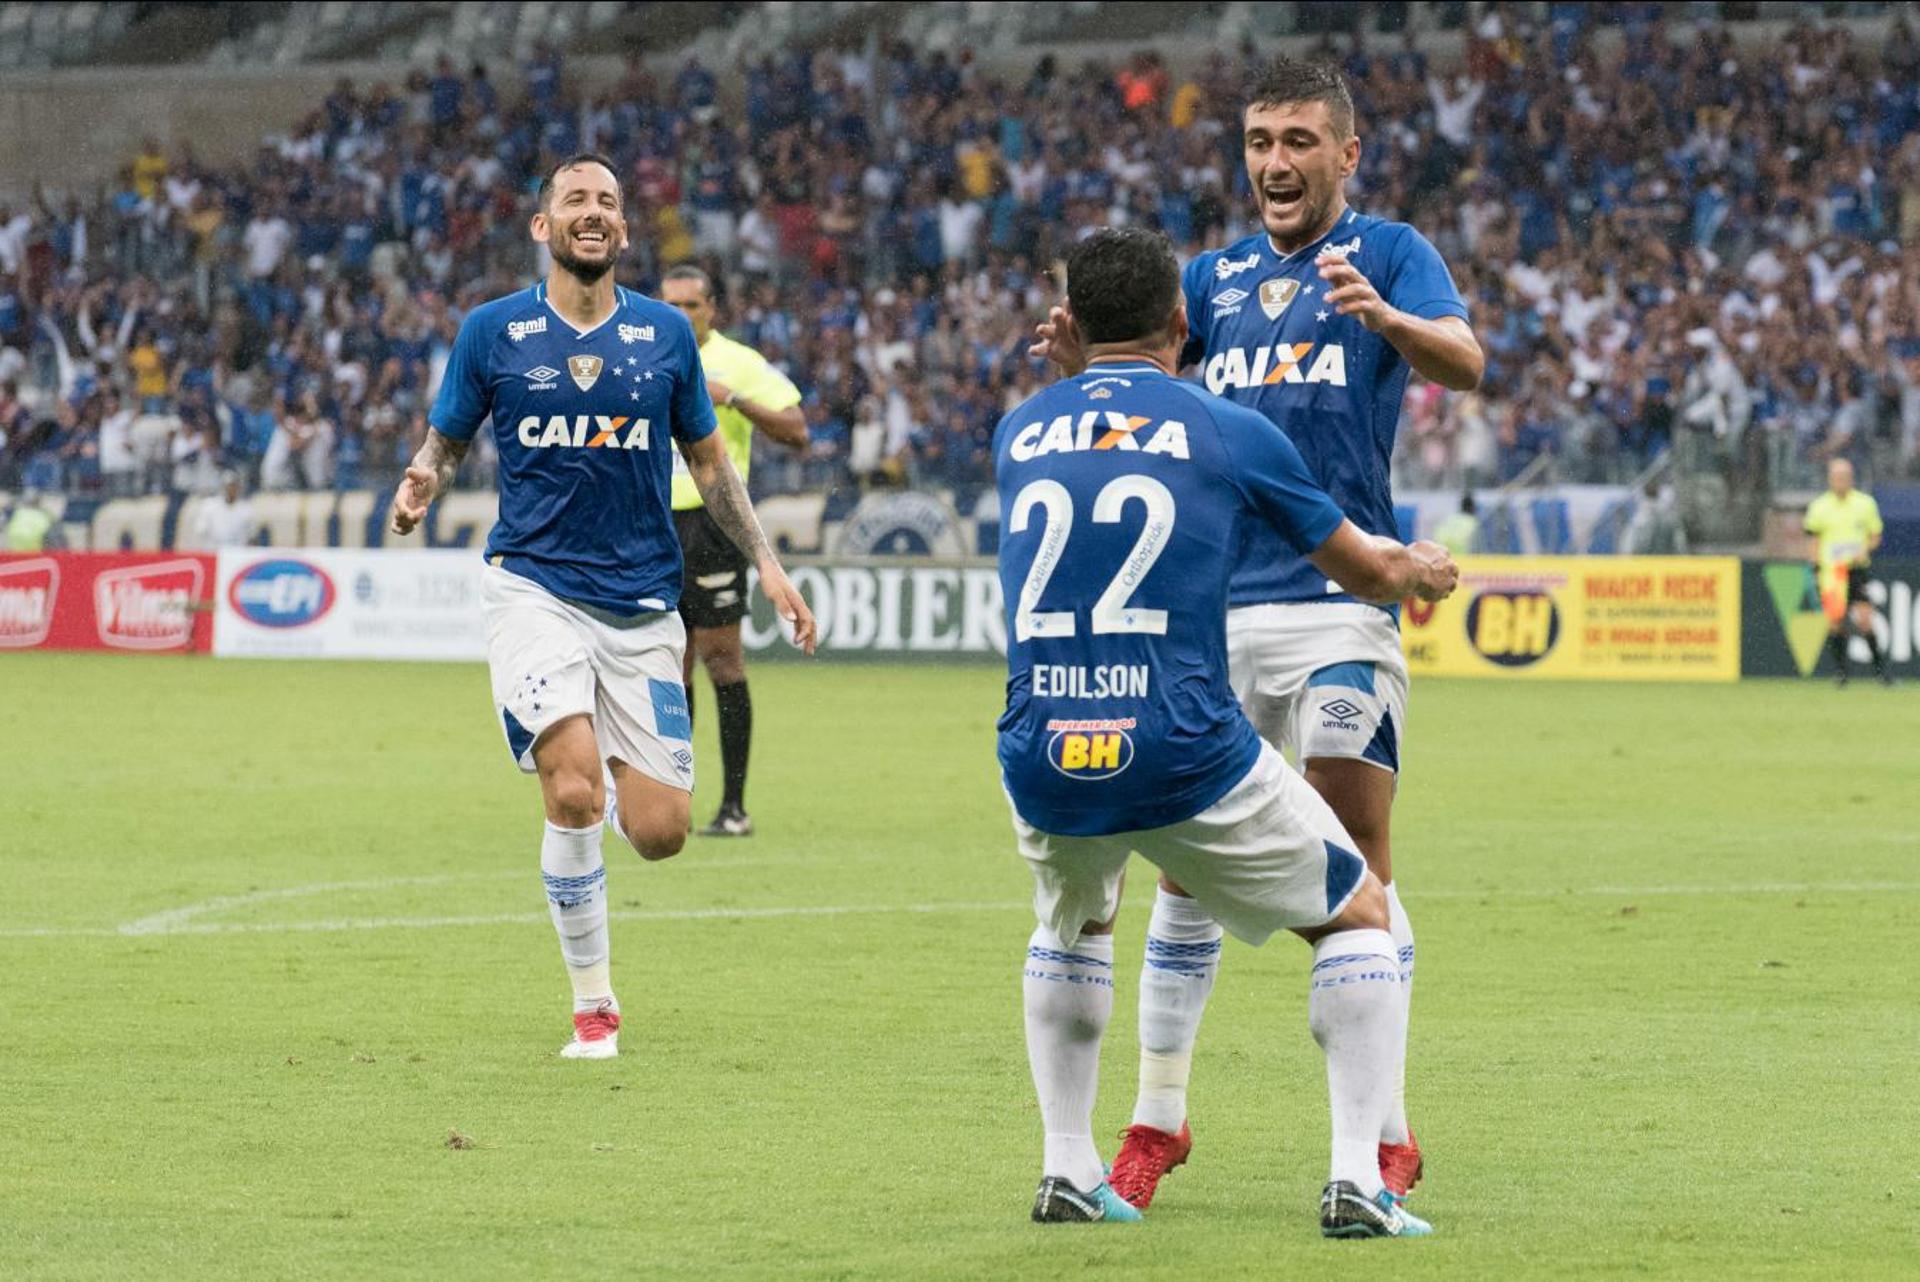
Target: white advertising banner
(336, 603)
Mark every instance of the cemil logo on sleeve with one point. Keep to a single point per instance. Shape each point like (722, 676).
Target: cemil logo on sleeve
(1090, 750)
(28, 590)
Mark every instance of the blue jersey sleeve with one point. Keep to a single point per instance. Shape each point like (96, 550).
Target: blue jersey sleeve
(1193, 286)
(1419, 282)
(693, 417)
(1274, 479)
(463, 403)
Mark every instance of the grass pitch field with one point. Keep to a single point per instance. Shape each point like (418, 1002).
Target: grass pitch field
(271, 932)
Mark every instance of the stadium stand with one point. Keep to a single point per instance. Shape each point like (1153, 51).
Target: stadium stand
(1695, 242)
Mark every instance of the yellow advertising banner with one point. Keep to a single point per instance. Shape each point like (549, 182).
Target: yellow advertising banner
(1645, 618)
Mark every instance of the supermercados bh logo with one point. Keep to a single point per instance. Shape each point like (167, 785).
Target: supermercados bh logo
(1796, 603)
(148, 607)
(1512, 619)
(902, 524)
(1090, 750)
(28, 591)
(281, 593)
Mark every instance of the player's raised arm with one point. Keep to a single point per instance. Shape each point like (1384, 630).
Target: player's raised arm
(727, 503)
(1376, 568)
(428, 477)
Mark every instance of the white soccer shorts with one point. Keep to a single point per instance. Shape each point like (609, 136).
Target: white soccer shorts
(1268, 856)
(1321, 680)
(551, 660)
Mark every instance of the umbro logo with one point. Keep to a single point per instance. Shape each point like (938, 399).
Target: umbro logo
(1229, 302)
(1340, 708)
(541, 378)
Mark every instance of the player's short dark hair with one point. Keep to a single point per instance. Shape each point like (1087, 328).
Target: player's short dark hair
(1285, 81)
(545, 193)
(687, 271)
(1122, 283)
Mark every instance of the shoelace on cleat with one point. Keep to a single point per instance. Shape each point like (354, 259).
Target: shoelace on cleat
(1145, 1162)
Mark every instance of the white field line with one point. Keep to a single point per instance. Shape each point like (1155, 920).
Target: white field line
(172, 921)
(181, 921)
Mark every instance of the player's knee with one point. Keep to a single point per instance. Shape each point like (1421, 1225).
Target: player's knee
(659, 833)
(574, 801)
(1367, 910)
(726, 667)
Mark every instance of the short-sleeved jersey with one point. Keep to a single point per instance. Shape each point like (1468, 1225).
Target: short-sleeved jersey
(1122, 492)
(747, 372)
(1843, 526)
(585, 424)
(1264, 338)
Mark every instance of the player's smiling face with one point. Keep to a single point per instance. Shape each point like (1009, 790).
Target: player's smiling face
(1298, 166)
(582, 225)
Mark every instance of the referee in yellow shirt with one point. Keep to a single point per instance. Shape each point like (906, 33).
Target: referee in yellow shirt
(748, 395)
(1845, 525)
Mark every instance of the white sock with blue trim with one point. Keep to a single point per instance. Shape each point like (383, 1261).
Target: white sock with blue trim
(576, 882)
(1360, 1020)
(1183, 956)
(1395, 1131)
(1068, 994)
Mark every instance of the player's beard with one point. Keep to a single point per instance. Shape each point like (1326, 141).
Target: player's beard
(579, 268)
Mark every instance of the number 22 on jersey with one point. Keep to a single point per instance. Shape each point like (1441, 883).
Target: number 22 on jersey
(1111, 613)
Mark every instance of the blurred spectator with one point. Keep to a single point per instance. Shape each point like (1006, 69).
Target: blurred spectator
(301, 449)
(1460, 533)
(226, 519)
(30, 526)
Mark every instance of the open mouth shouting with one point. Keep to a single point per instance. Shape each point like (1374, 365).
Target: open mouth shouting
(1283, 198)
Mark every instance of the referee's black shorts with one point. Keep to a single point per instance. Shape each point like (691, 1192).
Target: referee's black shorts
(713, 586)
(1857, 577)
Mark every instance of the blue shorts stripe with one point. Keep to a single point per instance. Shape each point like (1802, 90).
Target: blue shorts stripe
(1348, 676)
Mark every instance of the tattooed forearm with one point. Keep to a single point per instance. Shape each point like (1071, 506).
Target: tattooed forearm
(441, 455)
(725, 495)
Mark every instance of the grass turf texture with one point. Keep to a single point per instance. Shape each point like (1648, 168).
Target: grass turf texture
(1664, 1020)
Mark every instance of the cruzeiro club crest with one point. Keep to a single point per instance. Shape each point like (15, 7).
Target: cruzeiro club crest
(1275, 293)
(1796, 601)
(585, 371)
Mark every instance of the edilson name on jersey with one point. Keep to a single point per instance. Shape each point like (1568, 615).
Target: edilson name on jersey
(1107, 681)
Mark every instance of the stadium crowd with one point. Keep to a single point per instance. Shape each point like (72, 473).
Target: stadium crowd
(1681, 236)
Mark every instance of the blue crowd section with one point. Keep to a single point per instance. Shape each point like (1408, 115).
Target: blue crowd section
(1661, 231)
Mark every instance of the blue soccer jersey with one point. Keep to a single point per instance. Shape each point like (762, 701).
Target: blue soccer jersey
(585, 425)
(1263, 338)
(1123, 492)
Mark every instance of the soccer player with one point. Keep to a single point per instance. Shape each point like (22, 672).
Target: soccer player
(1846, 529)
(1122, 733)
(588, 386)
(748, 395)
(1315, 322)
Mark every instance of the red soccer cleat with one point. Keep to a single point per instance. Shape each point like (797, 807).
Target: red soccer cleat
(1145, 1156)
(596, 1034)
(1401, 1166)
